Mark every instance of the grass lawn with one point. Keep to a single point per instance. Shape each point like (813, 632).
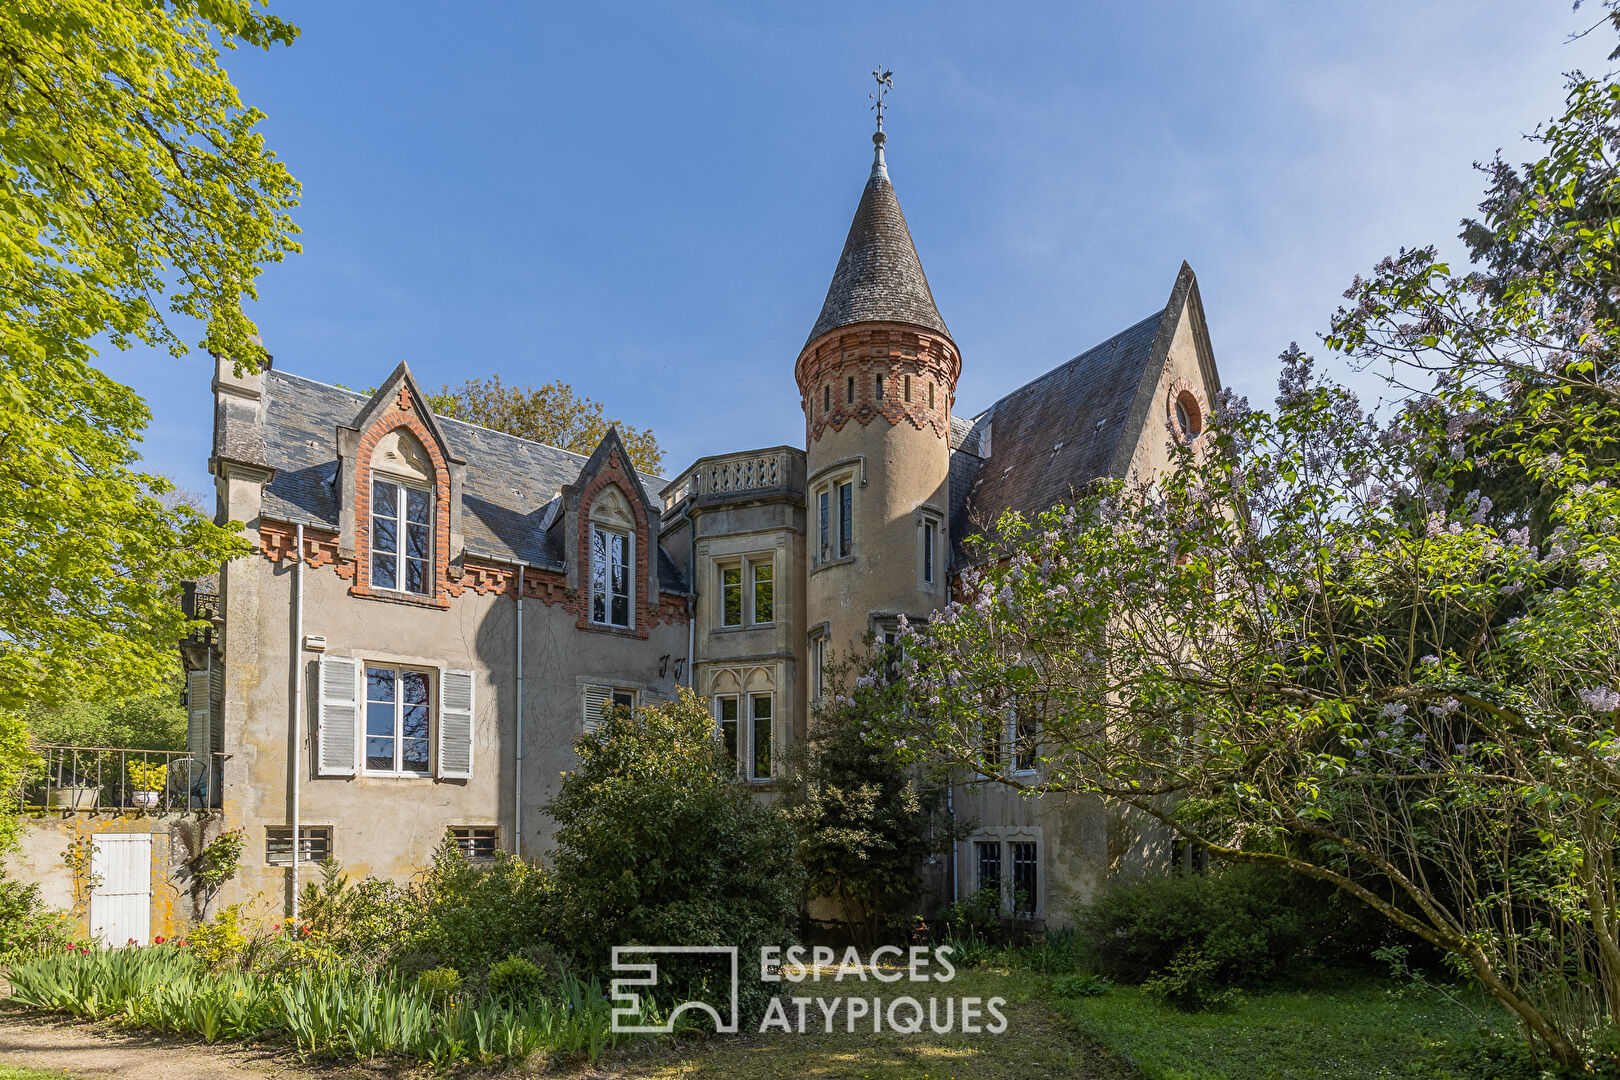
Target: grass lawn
(1355, 1032)
(1366, 1030)
(11, 1072)
(1037, 1043)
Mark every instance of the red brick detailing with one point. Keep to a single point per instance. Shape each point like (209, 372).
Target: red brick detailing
(647, 615)
(277, 541)
(1186, 387)
(402, 415)
(893, 350)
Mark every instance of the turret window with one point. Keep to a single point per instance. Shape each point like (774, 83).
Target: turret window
(878, 388)
(908, 389)
(826, 398)
(930, 394)
(849, 390)
(846, 519)
(835, 518)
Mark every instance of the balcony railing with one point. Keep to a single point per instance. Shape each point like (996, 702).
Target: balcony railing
(97, 779)
(199, 601)
(740, 473)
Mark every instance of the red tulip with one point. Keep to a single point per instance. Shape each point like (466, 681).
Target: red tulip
(158, 940)
(131, 941)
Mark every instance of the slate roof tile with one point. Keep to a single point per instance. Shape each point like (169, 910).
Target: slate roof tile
(509, 482)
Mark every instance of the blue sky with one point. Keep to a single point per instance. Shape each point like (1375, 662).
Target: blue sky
(647, 200)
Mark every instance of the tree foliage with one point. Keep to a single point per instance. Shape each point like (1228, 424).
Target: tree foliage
(1316, 644)
(130, 175)
(552, 414)
(657, 844)
(866, 821)
(149, 721)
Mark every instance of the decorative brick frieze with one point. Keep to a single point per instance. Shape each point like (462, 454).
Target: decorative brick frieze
(865, 351)
(278, 539)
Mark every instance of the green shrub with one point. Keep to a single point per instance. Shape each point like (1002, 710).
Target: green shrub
(27, 926)
(658, 845)
(1073, 986)
(474, 915)
(1189, 983)
(439, 984)
(516, 980)
(1251, 923)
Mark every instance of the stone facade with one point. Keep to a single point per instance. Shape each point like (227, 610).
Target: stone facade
(376, 716)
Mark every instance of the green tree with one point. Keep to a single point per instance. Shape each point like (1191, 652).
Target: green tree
(150, 721)
(552, 414)
(657, 844)
(1317, 644)
(130, 175)
(866, 822)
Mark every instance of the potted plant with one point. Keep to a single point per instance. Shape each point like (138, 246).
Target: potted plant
(148, 782)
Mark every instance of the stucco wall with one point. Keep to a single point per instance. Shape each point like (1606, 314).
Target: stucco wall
(388, 826)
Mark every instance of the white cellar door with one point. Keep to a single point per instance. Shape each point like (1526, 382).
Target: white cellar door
(121, 892)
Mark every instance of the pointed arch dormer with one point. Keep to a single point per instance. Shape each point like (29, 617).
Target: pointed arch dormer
(399, 485)
(611, 536)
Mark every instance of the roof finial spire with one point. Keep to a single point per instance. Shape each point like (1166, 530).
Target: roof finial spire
(885, 83)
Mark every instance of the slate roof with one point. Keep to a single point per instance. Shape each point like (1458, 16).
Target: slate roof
(509, 484)
(1053, 434)
(879, 277)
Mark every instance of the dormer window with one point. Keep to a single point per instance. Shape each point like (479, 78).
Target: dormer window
(401, 537)
(401, 534)
(612, 561)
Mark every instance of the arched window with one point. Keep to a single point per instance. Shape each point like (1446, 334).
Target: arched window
(401, 515)
(613, 560)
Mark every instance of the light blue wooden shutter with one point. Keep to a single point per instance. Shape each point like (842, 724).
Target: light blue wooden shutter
(455, 724)
(338, 740)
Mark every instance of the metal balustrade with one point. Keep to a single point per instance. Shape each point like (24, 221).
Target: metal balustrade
(99, 779)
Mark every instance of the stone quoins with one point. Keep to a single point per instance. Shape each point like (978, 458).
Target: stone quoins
(393, 420)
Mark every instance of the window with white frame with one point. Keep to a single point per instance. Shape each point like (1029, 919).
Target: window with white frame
(314, 844)
(835, 518)
(399, 715)
(612, 560)
(748, 739)
(747, 591)
(727, 715)
(401, 537)
(760, 736)
(598, 700)
(930, 552)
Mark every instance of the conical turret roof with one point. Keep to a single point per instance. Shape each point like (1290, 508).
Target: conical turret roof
(879, 277)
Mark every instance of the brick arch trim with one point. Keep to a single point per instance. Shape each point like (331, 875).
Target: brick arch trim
(644, 568)
(401, 416)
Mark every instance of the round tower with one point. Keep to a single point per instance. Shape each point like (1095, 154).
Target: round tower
(876, 378)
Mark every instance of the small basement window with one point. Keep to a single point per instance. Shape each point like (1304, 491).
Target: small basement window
(314, 844)
(477, 842)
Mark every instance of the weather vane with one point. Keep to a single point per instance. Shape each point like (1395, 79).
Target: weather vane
(885, 81)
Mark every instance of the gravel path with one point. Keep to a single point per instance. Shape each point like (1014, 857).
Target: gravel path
(94, 1051)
